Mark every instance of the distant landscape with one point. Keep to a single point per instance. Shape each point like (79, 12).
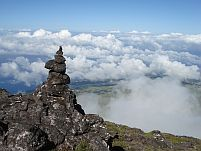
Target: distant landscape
(141, 79)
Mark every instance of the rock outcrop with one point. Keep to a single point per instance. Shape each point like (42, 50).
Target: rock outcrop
(50, 117)
(134, 139)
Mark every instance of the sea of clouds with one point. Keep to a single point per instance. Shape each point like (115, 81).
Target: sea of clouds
(149, 68)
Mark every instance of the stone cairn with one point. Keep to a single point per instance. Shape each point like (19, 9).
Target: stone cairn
(57, 78)
(50, 118)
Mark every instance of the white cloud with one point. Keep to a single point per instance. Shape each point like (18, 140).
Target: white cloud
(83, 37)
(41, 33)
(133, 32)
(193, 38)
(24, 34)
(124, 55)
(156, 104)
(104, 42)
(139, 32)
(179, 36)
(123, 67)
(43, 41)
(63, 34)
(108, 31)
(175, 69)
(149, 104)
(22, 70)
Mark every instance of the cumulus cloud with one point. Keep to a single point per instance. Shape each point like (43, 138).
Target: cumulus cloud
(108, 41)
(21, 70)
(175, 69)
(124, 67)
(136, 58)
(125, 55)
(179, 36)
(41, 33)
(138, 32)
(95, 45)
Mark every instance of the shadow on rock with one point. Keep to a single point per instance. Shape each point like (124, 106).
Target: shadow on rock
(39, 140)
(117, 148)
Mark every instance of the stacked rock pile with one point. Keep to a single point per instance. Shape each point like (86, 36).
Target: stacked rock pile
(57, 78)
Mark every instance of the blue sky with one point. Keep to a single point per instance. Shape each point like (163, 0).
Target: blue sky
(157, 16)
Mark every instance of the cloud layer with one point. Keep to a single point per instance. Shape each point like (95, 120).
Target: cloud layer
(125, 55)
(151, 68)
(162, 103)
(21, 70)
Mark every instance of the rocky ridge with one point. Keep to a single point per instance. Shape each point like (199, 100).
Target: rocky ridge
(134, 139)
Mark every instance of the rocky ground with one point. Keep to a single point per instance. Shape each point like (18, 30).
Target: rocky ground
(51, 119)
(133, 139)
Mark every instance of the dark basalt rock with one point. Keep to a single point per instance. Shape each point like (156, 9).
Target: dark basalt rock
(59, 59)
(59, 68)
(59, 52)
(50, 117)
(38, 139)
(54, 66)
(49, 64)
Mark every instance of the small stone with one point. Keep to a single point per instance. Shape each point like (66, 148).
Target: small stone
(49, 64)
(59, 59)
(60, 79)
(60, 68)
(56, 90)
(66, 79)
(59, 52)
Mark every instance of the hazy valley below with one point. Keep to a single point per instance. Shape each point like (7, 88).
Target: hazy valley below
(138, 104)
(145, 80)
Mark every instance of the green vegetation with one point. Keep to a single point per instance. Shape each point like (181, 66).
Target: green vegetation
(176, 139)
(83, 146)
(111, 127)
(135, 139)
(148, 135)
(124, 133)
(121, 130)
(121, 142)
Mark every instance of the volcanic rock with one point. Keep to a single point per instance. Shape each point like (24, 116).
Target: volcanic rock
(49, 64)
(59, 59)
(59, 52)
